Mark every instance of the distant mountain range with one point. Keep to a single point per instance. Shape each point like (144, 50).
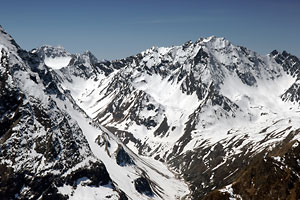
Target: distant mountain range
(204, 120)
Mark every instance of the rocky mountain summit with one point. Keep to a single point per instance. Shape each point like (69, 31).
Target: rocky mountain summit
(204, 120)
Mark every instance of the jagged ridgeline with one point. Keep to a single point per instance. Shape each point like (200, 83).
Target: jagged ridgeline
(204, 120)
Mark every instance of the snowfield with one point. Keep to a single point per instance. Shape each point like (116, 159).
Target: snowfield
(57, 62)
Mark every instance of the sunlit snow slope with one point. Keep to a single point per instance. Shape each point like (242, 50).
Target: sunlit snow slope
(200, 105)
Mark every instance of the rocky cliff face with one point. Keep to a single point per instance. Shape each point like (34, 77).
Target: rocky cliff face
(220, 116)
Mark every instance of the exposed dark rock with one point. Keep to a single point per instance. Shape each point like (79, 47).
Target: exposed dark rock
(122, 157)
(122, 195)
(96, 173)
(105, 68)
(10, 182)
(274, 53)
(280, 174)
(200, 57)
(162, 129)
(290, 63)
(142, 186)
(124, 136)
(40, 187)
(282, 177)
(247, 78)
(10, 100)
(101, 141)
(217, 195)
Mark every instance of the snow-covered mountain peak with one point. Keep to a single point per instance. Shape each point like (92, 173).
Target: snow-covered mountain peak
(89, 56)
(58, 57)
(51, 51)
(7, 41)
(206, 39)
(54, 57)
(210, 59)
(213, 42)
(78, 128)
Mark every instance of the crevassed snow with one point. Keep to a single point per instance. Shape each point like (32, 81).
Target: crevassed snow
(57, 62)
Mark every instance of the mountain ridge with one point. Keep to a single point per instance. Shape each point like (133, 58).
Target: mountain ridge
(61, 157)
(208, 110)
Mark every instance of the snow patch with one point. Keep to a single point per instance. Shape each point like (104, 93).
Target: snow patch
(57, 62)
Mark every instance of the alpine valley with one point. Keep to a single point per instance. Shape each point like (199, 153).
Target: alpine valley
(205, 120)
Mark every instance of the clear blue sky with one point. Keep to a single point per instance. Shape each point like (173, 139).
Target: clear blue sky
(114, 29)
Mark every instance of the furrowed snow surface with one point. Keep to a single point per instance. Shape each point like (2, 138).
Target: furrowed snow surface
(165, 184)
